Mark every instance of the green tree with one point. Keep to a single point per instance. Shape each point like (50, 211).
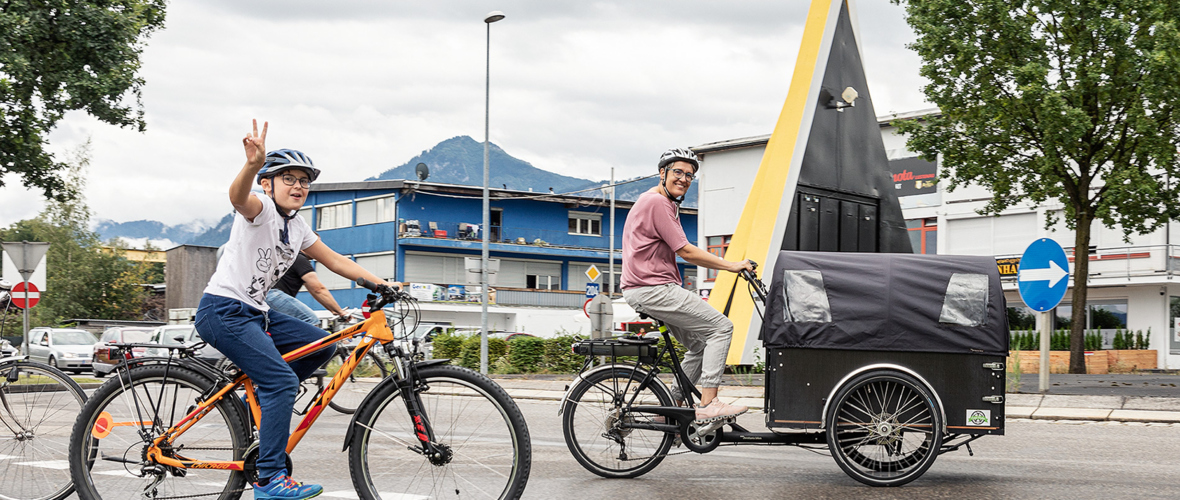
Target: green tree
(1044, 100)
(84, 280)
(61, 56)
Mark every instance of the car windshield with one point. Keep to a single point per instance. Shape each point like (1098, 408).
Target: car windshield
(168, 337)
(73, 337)
(135, 336)
(422, 330)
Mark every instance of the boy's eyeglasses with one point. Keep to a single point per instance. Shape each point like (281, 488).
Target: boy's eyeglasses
(680, 174)
(290, 180)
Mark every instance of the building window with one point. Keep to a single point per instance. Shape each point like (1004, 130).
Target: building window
(923, 235)
(305, 212)
(335, 216)
(331, 280)
(542, 282)
(382, 265)
(716, 245)
(377, 210)
(586, 223)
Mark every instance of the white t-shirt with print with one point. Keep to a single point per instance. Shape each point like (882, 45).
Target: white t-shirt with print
(255, 257)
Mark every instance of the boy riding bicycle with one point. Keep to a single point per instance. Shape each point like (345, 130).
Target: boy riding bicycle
(233, 315)
(652, 238)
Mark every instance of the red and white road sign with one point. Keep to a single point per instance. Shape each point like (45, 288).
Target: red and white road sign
(25, 299)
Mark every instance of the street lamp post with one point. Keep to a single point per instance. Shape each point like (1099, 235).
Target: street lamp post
(492, 17)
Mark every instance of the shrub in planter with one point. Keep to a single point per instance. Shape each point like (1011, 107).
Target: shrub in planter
(526, 353)
(558, 358)
(448, 346)
(469, 357)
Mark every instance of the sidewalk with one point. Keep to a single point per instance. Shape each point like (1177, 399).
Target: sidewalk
(1147, 398)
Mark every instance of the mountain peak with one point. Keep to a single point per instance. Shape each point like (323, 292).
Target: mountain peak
(459, 160)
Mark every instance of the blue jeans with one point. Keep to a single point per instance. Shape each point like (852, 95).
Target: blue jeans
(242, 333)
(291, 306)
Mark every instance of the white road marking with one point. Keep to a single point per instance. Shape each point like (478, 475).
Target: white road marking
(48, 464)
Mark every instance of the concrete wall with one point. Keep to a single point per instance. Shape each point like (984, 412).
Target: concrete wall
(186, 274)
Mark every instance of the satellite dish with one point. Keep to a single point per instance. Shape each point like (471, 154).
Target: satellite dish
(423, 171)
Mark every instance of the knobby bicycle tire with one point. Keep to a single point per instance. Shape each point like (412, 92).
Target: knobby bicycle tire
(368, 373)
(594, 425)
(472, 418)
(107, 445)
(38, 404)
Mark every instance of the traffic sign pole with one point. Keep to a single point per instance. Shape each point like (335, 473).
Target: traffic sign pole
(1046, 330)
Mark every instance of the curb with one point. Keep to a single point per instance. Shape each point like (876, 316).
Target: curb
(1027, 406)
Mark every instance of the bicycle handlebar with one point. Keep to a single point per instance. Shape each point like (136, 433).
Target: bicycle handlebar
(387, 294)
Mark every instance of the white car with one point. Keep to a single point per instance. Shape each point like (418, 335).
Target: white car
(67, 349)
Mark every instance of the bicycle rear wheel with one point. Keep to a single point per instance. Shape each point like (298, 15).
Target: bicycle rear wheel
(368, 373)
(122, 417)
(480, 430)
(595, 426)
(38, 404)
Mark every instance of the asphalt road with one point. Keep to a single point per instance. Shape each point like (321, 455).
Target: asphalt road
(1036, 459)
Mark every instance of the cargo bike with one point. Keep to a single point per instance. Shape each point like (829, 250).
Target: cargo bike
(888, 359)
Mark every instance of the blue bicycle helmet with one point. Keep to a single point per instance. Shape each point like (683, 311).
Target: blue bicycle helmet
(285, 159)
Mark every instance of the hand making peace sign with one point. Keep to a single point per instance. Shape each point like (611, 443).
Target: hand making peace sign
(255, 145)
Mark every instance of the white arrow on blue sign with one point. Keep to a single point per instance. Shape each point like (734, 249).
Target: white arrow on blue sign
(1042, 275)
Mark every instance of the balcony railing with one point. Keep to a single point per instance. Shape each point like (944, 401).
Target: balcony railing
(507, 234)
(1128, 262)
(539, 298)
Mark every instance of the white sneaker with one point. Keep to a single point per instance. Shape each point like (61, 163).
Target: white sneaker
(717, 410)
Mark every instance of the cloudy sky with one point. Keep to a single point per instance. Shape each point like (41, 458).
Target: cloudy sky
(363, 86)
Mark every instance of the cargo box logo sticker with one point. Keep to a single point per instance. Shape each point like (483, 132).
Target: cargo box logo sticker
(979, 418)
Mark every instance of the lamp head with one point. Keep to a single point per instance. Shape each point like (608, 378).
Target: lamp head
(493, 16)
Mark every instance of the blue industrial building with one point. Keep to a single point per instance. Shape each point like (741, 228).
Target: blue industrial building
(420, 232)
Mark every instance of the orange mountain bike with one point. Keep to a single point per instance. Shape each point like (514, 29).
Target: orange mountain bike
(176, 428)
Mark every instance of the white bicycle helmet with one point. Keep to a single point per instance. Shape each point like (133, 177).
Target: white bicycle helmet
(286, 159)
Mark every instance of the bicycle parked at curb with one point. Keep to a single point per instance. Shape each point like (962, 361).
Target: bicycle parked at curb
(179, 429)
(38, 404)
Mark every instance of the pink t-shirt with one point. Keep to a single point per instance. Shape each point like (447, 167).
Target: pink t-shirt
(651, 237)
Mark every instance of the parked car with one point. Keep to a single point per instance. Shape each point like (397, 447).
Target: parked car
(181, 335)
(67, 349)
(510, 336)
(104, 362)
(7, 349)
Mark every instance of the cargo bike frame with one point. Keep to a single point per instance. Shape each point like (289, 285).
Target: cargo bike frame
(883, 423)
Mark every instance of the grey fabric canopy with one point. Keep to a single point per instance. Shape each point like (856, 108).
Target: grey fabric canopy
(886, 302)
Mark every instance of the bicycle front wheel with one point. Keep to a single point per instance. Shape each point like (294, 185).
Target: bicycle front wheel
(38, 404)
(479, 430)
(111, 437)
(596, 427)
(368, 373)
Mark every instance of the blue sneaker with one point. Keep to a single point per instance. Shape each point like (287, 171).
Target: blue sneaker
(282, 486)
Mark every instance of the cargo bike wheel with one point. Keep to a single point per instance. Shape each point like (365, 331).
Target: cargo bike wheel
(596, 425)
(884, 428)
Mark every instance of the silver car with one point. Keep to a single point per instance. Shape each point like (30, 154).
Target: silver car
(67, 349)
(181, 335)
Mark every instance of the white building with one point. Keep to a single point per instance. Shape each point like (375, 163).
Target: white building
(1133, 286)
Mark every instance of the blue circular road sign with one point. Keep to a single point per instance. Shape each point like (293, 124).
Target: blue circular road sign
(1043, 275)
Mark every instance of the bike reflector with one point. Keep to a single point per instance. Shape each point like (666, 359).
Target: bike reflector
(102, 426)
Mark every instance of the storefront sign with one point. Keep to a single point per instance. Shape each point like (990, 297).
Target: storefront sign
(913, 176)
(1008, 267)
